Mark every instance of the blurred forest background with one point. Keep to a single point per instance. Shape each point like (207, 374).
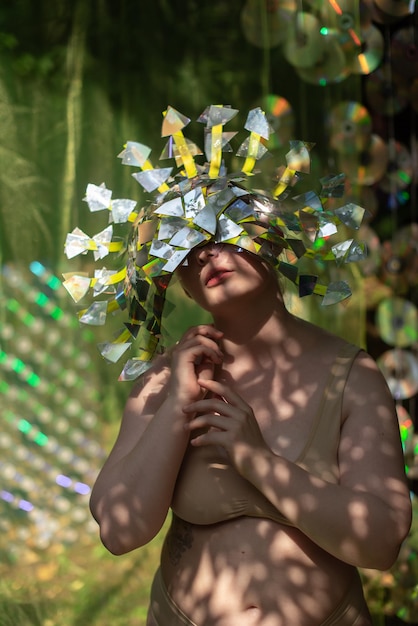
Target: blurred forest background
(78, 78)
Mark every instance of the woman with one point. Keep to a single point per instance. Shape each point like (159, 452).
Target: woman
(275, 444)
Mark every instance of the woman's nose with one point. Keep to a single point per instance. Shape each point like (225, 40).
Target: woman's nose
(207, 251)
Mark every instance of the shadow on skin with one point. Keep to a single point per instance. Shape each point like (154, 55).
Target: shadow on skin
(220, 573)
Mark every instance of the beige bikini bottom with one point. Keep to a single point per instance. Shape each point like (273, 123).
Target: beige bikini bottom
(163, 611)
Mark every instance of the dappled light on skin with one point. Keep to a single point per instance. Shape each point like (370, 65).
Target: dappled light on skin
(223, 587)
(359, 514)
(224, 578)
(120, 516)
(280, 481)
(278, 563)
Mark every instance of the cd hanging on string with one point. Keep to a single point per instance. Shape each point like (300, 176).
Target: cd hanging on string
(345, 15)
(342, 19)
(386, 94)
(367, 167)
(371, 54)
(397, 322)
(350, 126)
(404, 52)
(394, 8)
(398, 175)
(304, 43)
(400, 259)
(400, 369)
(371, 263)
(405, 246)
(265, 23)
(330, 68)
(405, 240)
(280, 116)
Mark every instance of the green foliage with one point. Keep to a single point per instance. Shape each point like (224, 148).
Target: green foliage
(83, 584)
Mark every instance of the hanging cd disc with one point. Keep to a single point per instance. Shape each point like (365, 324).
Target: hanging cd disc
(341, 15)
(394, 8)
(405, 247)
(397, 322)
(265, 26)
(371, 263)
(350, 127)
(404, 52)
(399, 172)
(344, 15)
(280, 116)
(331, 67)
(304, 42)
(400, 369)
(394, 272)
(342, 19)
(386, 93)
(405, 240)
(371, 55)
(367, 167)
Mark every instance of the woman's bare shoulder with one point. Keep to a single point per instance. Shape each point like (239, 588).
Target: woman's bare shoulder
(319, 342)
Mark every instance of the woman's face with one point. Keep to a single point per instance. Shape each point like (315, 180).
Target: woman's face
(218, 275)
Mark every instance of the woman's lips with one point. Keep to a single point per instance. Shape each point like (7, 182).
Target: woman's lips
(216, 277)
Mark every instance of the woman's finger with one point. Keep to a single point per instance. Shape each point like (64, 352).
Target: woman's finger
(205, 330)
(209, 420)
(210, 405)
(211, 438)
(224, 391)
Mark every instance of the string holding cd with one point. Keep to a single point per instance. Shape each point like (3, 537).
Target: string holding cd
(371, 54)
(399, 171)
(331, 67)
(386, 94)
(400, 369)
(397, 322)
(404, 52)
(369, 166)
(350, 127)
(304, 43)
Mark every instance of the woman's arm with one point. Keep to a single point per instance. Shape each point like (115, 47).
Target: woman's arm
(363, 519)
(132, 494)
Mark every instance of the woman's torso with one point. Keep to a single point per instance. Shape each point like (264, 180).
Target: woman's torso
(224, 567)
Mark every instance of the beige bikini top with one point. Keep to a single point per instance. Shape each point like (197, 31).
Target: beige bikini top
(209, 490)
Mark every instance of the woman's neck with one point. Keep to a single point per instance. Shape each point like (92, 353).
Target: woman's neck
(254, 328)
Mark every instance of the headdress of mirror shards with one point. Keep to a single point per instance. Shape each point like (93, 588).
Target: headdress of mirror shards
(198, 204)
